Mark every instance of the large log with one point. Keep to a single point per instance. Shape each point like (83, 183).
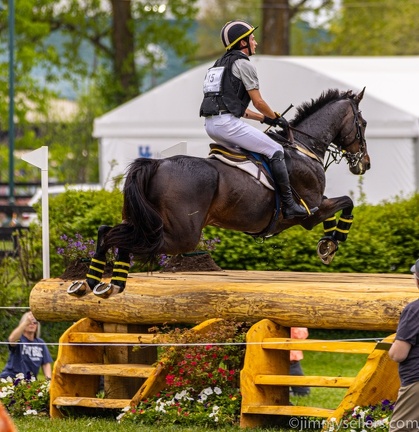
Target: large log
(313, 300)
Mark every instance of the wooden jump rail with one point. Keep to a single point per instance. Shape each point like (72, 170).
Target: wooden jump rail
(275, 301)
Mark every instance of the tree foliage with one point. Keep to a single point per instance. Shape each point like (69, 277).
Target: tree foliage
(109, 42)
(373, 27)
(279, 21)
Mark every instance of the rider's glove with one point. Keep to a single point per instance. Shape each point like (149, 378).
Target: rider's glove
(277, 121)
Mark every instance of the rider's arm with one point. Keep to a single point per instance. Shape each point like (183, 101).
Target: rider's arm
(260, 104)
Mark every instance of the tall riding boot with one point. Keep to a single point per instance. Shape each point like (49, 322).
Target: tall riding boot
(290, 209)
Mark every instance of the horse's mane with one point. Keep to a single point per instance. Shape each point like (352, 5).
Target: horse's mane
(306, 109)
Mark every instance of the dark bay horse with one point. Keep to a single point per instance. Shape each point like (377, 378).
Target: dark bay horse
(167, 202)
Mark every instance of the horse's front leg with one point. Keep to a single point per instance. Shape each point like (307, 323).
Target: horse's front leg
(119, 276)
(335, 231)
(96, 268)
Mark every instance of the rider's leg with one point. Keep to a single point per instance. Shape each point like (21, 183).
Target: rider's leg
(228, 129)
(280, 173)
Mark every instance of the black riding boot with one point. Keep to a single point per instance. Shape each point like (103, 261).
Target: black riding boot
(290, 209)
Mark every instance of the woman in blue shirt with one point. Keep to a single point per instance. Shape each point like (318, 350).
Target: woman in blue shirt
(28, 352)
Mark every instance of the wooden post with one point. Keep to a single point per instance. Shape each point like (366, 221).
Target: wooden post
(269, 362)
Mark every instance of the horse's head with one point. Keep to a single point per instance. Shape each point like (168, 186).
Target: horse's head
(351, 138)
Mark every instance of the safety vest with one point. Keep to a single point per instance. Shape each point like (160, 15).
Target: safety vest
(222, 90)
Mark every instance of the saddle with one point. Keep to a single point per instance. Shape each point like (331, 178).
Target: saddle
(252, 163)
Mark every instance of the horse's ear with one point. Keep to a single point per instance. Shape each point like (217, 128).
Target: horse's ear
(359, 96)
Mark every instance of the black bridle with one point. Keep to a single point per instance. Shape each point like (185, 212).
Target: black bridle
(353, 159)
(336, 152)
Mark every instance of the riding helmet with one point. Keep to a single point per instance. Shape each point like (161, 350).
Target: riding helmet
(415, 267)
(235, 31)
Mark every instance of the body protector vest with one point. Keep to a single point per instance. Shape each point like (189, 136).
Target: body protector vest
(222, 90)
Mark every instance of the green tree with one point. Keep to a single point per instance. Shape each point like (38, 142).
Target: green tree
(279, 21)
(99, 40)
(374, 27)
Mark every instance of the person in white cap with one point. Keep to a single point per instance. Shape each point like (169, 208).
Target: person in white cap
(405, 351)
(229, 86)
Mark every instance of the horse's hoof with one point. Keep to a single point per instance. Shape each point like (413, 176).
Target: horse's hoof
(103, 290)
(326, 250)
(78, 288)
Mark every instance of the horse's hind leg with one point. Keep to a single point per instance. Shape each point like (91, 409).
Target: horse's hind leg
(119, 276)
(96, 268)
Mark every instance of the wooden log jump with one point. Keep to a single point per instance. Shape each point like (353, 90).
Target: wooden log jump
(313, 300)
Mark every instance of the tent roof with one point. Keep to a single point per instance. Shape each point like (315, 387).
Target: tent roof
(390, 103)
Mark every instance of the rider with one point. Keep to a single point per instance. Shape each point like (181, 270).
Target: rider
(229, 86)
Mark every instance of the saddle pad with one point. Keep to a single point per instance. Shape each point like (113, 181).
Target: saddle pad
(248, 167)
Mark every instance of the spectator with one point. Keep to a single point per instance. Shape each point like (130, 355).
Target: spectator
(295, 357)
(28, 351)
(405, 351)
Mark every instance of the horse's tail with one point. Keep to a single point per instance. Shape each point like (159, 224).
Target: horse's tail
(141, 231)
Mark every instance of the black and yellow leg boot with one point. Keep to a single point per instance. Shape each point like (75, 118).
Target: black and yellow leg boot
(343, 227)
(121, 270)
(96, 269)
(329, 226)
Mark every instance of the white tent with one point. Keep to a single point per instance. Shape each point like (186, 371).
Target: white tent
(168, 114)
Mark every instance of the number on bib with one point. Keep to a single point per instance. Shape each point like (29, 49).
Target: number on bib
(213, 80)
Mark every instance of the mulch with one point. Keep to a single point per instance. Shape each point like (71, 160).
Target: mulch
(177, 263)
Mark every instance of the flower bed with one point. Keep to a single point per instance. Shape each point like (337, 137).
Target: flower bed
(24, 396)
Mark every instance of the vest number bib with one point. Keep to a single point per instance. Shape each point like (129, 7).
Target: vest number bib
(213, 80)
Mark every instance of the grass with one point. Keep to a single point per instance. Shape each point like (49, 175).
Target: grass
(324, 364)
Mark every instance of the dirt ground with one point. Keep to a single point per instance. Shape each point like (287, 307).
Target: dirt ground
(177, 263)
(191, 263)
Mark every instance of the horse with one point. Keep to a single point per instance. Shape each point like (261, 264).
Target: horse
(167, 202)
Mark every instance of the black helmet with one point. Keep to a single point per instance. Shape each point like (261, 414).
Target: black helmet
(415, 267)
(235, 31)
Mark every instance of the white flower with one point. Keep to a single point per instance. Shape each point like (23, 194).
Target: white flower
(208, 391)
(202, 397)
(20, 376)
(120, 417)
(126, 408)
(182, 395)
(217, 390)
(30, 412)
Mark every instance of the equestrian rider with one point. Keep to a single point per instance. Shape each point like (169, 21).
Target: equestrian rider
(229, 86)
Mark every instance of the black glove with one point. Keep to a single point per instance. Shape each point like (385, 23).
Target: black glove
(277, 121)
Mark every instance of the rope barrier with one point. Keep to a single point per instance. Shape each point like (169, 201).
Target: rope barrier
(376, 340)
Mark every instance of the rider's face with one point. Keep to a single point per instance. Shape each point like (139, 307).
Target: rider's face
(252, 44)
